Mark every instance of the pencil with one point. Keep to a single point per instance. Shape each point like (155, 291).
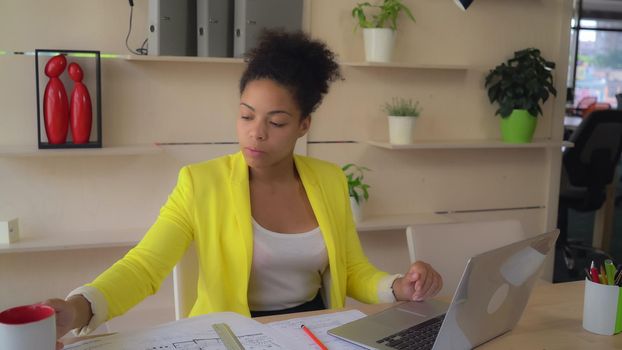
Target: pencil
(313, 337)
(603, 275)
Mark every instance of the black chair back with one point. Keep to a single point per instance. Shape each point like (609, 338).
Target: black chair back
(591, 163)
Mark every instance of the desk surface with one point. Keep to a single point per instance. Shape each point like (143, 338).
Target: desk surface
(552, 320)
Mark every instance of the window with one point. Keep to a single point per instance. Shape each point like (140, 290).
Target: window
(596, 55)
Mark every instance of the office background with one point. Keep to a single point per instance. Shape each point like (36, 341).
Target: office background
(145, 102)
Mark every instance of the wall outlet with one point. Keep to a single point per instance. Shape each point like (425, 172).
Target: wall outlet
(9, 231)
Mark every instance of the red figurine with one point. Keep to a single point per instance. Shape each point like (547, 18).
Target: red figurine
(55, 105)
(80, 112)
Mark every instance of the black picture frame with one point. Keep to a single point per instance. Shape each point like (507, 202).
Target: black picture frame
(90, 62)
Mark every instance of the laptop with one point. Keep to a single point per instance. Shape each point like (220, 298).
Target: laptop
(490, 299)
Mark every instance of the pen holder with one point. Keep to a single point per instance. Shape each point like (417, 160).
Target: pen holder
(602, 308)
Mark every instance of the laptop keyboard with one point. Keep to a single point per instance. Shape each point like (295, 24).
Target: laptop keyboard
(420, 336)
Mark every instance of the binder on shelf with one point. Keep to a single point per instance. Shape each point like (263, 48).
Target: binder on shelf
(215, 28)
(172, 27)
(252, 16)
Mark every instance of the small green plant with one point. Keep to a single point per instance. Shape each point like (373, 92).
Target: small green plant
(356, 187)
(387, 13)
(401, 107)
(521, 83)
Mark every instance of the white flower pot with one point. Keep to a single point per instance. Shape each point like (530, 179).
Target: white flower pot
(379, 43)
(357, 209)
(401, 130)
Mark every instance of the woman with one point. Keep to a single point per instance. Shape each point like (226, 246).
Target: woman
(273, 230)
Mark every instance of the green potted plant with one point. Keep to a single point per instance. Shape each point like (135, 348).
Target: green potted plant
(402, 114)
(379, 28)
(357, 188)
(519, 86)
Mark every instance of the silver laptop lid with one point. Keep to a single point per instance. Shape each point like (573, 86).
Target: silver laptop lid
(493, 292)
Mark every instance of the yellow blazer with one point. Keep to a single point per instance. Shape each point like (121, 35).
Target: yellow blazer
(210, 205)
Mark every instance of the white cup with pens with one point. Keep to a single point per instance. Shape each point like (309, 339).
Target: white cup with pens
(602, 303)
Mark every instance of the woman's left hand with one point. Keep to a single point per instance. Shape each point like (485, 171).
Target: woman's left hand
(419, 283)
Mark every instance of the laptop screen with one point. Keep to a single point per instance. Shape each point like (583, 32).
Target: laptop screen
(493, 292)
(490, 299)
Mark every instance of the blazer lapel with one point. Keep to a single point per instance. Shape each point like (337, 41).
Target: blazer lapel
(241, 198)
(324, 219)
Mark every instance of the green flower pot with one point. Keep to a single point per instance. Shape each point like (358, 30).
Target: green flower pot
(518, 127)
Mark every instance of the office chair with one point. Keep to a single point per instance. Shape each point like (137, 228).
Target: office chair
(594, 107)
(587, 169)
(448, 247)
(619, 100)
(185, 279)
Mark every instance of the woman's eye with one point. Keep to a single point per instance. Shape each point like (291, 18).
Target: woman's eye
(246, 117)
(278, 125)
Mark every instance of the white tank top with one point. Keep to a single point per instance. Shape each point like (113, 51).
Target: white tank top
(287, 268)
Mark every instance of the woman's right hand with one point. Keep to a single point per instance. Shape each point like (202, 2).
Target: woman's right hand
(74, 312)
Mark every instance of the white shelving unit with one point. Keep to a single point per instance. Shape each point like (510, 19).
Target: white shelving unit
(33, 151)
(129, 237)
(469, 144)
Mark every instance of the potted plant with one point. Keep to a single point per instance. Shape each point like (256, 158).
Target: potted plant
(402, 114)
(379, 29)
(519, 86)
(357, 189)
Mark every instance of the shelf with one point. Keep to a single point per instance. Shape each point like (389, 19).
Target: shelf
(193, 59)
(469, 144)
(406, 65)
(400, 221)
(235, 60)
(33, 151)
(129, 237)
(84, 240)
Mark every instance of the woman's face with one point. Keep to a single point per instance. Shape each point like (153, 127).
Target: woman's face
(269, 123)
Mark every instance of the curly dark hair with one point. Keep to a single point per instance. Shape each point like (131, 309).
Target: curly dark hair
(304, 66)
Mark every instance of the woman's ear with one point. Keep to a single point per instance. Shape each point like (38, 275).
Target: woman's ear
(304, 126)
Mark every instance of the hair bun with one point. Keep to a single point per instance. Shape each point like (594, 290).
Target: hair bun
(303, 65)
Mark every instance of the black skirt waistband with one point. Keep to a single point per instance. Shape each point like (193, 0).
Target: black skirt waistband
(316, 304)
